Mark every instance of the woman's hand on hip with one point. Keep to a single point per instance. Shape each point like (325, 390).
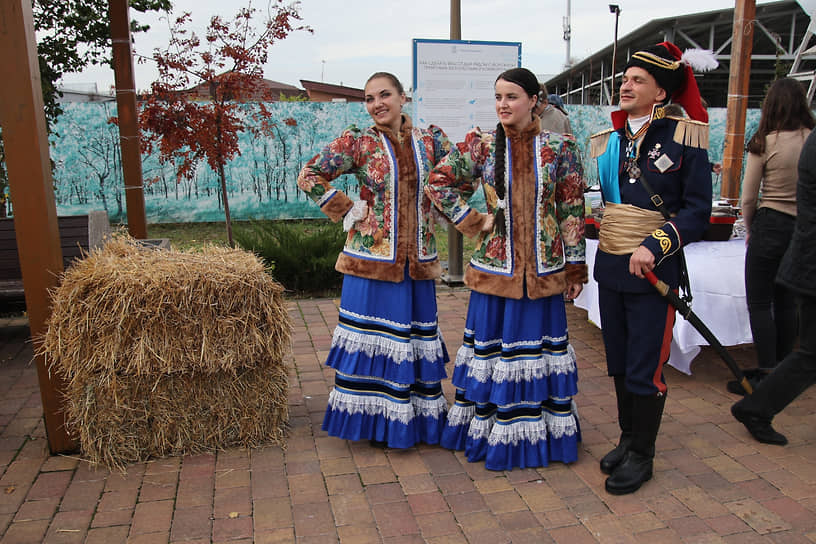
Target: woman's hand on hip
(573, 290)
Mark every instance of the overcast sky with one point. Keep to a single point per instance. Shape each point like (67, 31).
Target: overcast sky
(353, 38)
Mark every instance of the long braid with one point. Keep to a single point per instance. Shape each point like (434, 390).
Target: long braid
(525, 79)
(498, 176)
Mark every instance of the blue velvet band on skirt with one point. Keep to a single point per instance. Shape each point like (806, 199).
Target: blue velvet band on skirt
(515, 377)
(389, 359)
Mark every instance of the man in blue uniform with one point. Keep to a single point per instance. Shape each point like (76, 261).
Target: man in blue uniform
(651, 155)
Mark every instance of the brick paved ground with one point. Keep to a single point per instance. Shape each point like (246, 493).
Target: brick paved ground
(712, 482)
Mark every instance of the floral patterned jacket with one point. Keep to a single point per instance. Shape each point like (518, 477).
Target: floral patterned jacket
(392, 171)
(544, 211)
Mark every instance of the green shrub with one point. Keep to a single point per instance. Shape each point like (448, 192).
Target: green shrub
(302, 254)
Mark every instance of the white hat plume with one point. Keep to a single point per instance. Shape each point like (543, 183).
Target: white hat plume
(700, 60)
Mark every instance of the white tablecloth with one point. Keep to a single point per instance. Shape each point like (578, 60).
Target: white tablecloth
(717, 277)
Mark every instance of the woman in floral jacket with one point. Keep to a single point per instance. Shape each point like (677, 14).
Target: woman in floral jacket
(387, 352)
(515, 373)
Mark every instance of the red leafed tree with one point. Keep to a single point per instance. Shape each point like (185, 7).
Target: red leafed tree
(229, 66)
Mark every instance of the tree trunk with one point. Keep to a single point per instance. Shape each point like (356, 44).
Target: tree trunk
(223, 178)
(226, 203)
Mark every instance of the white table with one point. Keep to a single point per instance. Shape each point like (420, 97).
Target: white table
(717, 277)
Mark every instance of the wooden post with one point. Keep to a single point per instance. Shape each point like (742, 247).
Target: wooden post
(22, 117)
(738, 78)
(455, 275)
(128, 118)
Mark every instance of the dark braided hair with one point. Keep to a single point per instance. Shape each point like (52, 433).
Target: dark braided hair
(525, 79)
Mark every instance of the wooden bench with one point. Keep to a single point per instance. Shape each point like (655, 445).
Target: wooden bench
(78, 235)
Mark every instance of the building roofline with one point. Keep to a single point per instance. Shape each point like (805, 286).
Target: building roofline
(332, 88)
(636, 36)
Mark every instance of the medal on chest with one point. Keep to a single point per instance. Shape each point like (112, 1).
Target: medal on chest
(631, 165)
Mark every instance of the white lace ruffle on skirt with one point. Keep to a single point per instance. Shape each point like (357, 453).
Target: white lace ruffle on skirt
(500, 370)
(398, 351)
(532, 431)
(378, 405)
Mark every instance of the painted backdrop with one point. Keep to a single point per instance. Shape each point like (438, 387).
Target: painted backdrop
(261, 182)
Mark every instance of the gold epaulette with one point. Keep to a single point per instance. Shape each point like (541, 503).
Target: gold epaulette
(598, 142)
(691, 133)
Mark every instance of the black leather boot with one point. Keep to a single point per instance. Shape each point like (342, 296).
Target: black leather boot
(614, 457)
(637, 464)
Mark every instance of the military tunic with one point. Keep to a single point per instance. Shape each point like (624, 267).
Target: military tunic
(672, 155)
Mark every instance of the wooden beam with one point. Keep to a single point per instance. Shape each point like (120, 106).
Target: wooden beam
(128, 113)
(738, 79)
(25, 137)
(455, 274)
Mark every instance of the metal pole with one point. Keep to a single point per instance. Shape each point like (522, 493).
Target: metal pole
(455, 275)
(614, 8)
(128, 114)
(738, 78)
(25, 137)
(568, 34)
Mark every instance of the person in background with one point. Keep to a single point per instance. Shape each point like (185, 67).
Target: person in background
(552, 118)
(387, 352)
(773, 153)
(797, 371)
(556, 101)
(515, 374)
(669, 154)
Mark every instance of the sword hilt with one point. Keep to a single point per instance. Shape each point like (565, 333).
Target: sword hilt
(658, 284)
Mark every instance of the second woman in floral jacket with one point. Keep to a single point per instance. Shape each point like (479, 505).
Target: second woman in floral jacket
(387, 353)
(515, 373)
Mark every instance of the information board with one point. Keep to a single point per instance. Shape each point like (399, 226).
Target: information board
(453, 83)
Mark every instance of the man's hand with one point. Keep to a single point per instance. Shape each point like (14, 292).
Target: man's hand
(641, 261)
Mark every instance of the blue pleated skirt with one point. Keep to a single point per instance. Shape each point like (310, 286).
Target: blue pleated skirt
(389, 358)
(515, 376)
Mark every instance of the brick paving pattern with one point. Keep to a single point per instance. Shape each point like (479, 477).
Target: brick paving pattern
(712, 482)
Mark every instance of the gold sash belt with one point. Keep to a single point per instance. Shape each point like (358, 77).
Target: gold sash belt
(624, 227)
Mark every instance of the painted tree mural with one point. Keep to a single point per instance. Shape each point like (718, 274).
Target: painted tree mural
(260, 162)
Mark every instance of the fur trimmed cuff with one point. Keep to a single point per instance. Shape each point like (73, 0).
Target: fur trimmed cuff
(471, 225)
(576, 273)
(337, 206)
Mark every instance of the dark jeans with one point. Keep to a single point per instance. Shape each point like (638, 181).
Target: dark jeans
(794, 374)
(771, 307)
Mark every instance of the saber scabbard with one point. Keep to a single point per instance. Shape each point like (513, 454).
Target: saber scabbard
(695, 321)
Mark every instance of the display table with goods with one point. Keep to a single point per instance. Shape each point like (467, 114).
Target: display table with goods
(717, 276)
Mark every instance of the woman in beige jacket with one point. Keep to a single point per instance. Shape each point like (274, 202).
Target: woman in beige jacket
(769, 212)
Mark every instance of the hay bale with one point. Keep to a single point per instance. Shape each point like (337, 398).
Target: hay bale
(169, 352)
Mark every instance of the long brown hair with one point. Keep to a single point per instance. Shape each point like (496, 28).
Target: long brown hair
(785, 108)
